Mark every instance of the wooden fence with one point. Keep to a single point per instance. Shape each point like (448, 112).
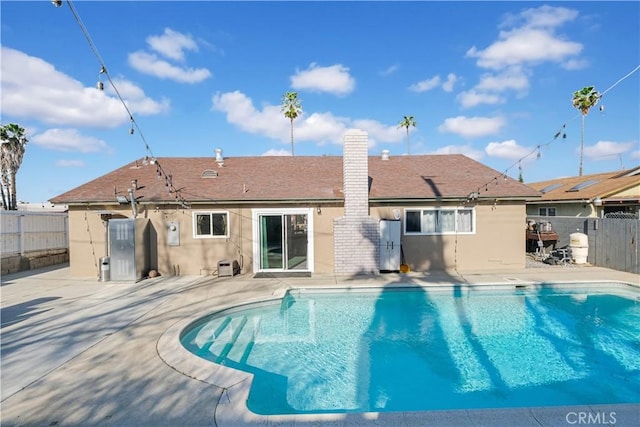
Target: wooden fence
(613, 241)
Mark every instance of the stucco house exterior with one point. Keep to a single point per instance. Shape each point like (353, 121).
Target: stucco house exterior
(307, 214)
(590, 196)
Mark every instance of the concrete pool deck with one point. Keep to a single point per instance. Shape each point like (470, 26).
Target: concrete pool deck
(83, 352)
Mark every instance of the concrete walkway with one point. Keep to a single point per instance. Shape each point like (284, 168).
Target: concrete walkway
(82, 352)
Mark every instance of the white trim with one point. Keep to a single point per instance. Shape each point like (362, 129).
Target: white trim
(194, 225)
(255, 233)
(456, 209)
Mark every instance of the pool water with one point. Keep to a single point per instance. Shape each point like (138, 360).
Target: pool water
(408, 349)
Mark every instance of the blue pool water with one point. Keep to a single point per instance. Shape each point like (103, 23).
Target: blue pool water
(409, 349)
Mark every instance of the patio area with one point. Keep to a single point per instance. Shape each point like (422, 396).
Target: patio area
(84, 352)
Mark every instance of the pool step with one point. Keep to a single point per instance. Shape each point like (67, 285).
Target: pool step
(243, 343)
(209, 333)
(226, 336)
(232, 340)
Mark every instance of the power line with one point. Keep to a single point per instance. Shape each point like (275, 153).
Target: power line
(134, 125)
(538, 148)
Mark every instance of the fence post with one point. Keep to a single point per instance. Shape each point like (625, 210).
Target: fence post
(21, 231)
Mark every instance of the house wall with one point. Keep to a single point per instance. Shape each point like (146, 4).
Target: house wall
(498, 242)
(192, 256)
(580, 209)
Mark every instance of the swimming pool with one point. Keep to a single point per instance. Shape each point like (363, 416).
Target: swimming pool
(416, 349)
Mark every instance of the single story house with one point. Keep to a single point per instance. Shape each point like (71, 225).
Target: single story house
(590, 196)
(306, 214)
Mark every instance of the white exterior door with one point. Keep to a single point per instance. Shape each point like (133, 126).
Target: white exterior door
(389, 245)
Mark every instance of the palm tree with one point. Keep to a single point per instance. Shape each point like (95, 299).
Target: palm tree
(406, 122)
(12, 152)
(292, 109)
(583, 100)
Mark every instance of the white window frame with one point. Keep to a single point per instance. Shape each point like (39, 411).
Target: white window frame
(210, 236)
(456, 211)
(255, 216)
(547, 210)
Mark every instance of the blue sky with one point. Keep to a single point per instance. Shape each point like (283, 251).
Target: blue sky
(492, 80)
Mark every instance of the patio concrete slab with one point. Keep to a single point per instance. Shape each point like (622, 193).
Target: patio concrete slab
(83, 352)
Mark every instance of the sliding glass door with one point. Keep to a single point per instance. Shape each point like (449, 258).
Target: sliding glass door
(283, 241)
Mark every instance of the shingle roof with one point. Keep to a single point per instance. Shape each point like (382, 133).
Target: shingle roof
(603, 185)
(318, 178)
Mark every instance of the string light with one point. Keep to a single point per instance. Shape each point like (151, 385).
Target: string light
(134, 125)
(538, 149)
(160, 171)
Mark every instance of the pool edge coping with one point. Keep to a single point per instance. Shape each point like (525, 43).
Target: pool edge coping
(236, 383)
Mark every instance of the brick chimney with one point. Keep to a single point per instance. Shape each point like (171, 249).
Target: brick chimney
(356, 235)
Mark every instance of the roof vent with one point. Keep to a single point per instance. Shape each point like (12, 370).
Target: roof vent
(219, 158)
(385, 155)
(209, 173)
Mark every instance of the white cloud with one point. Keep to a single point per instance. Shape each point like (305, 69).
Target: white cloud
(635, 154)
(320, 128)
(425, 85)
(451, 81)
(434, 82)
(274, 152)
(333, 79)
(390, 70)
(606, 150)
(136, 99)
(467, 150)
(524, 46)
(149, 63)
(575, 64)
(542, 17)
(70, 163)
(172, 44)
(33, 89)
(472, 127)
(379, 132)
(68, 140)
(472, 98)
(511, 79)
(509, 150)
(531, 40)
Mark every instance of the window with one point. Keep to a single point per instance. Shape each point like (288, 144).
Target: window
(211, 224)
(439, 221)
(547, 211)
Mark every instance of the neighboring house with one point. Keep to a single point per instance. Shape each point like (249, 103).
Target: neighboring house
(310, 214)
(588, 195)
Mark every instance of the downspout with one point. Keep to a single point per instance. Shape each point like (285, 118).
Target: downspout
(134, 208)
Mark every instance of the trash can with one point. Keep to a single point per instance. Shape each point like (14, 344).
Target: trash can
(105, 269)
